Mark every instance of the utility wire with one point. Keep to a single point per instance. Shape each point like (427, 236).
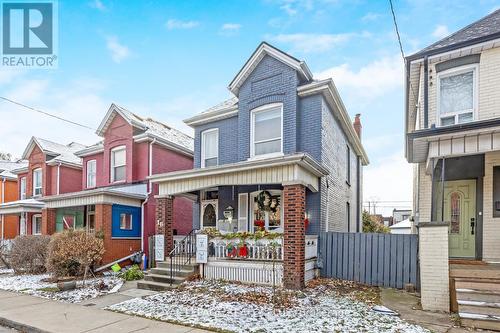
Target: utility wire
(46, 113)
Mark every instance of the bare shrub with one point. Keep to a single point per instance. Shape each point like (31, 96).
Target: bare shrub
(29, 253)
(73, 252)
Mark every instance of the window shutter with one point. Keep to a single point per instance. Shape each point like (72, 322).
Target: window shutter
(243, 212)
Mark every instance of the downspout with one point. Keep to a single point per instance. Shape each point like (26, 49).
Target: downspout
(426, 92)
(150, 190)
(3, 201)
(58, 177)
(358, 195)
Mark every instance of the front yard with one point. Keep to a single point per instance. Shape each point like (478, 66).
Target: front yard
(40, 285)
(325, 306)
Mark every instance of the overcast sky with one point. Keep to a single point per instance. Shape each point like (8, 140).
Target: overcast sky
(172, 59)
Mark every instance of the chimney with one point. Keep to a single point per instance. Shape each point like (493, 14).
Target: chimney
(357, 125)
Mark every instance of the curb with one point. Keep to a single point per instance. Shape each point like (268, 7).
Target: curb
(20, 327)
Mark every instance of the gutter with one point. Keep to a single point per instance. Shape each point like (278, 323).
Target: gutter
(3, 201)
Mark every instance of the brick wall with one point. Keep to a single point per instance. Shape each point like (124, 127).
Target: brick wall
(424, 190)
(48, 221)
(164, 221)
(434, 267)
(114, 248)
(491, 225)
(294, 198)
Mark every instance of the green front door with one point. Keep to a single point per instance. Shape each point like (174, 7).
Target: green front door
(460, 212)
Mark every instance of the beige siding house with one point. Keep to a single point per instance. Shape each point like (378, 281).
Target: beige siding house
(453, 141)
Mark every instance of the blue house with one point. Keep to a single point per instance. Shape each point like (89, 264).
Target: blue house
(274, 166)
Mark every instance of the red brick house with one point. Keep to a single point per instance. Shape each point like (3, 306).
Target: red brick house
(114, 196)
(51, 169)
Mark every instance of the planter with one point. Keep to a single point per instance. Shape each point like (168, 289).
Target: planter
(66, 285)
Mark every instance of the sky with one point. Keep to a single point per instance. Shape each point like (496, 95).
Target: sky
(170, 60)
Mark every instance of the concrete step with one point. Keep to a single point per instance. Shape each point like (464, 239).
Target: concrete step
(477, 284)
(483, 308)
(166, 265)
(163, 278)
(490, 296)
(480, 321)
(166, 271)
(155, 286)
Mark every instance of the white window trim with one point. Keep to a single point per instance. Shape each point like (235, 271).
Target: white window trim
(95, 173)
(33, 219)
(475, 92)
(131, 222)
(203, 133)
(111, 160)
(252, 214)
(41, 179)
(21, 189)
(259, 109)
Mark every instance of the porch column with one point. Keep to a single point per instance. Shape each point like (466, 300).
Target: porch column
(165, 221)
(48, 221)
(294, 202)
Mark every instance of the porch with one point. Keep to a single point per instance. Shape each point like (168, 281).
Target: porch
(255, 214)
(26, 213)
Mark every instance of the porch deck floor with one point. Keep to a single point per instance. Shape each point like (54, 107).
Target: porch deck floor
(475, 270)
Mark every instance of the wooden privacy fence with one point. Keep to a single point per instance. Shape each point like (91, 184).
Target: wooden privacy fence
(375, 259)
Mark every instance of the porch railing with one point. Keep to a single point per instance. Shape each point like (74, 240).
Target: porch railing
(182, 254)
(262, 249)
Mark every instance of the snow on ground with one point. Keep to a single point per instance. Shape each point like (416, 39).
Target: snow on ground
(243, 308)
(35, 285)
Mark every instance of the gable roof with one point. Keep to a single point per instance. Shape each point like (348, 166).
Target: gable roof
(150, 127)
(64, 154)
(266, 49)
(484, 29)
(7, 167)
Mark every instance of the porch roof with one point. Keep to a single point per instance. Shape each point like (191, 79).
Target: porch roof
(462, 139)
(286, 170)
(130, 195)
(21, 206)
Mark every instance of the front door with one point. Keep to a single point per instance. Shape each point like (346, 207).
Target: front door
(460, 212)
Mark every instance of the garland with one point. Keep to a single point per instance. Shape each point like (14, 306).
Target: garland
(262, 234)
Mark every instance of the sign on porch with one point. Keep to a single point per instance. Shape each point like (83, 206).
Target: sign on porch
(201, 249)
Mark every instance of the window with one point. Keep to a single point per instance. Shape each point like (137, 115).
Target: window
(348, 165)
(455, 213)
(37, 182)
(91, 173)
(90, 220)
(23, 188)
(457, 95)
(125, 221)
(22, 224)
(267, 130)
(36, 226)
(118, 164)
(210, 148)
(266, 212)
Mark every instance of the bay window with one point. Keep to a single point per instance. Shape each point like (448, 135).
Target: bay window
(210, 148)
(37, 182)
(118, 164)
(91, 173)
(457, 95)
(267, 130)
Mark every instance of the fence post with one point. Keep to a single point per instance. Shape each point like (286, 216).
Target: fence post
(434, 266)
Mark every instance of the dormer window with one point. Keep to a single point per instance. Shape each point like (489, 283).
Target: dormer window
(37, 182)
(267, 131)
(118, 164)
(457, 95)
(210, 148)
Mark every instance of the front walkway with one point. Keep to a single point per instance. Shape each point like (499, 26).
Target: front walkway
(34, 314)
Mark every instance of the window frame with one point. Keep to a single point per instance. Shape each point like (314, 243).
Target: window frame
(33, 223)
(131, 221)
(263, 109)
(348, 165)
(113, 166)
(202, 148)
(251, 223)
(94, 161)
(475, 93)
(90, 211)
(37, 170)
(22, 188)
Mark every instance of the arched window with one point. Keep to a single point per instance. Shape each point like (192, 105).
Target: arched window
(209, 216)
(455, 213)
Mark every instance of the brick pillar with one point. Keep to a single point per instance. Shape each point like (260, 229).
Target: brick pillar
(165, 221)
(294, 242)
(434, 266)
(48, 221)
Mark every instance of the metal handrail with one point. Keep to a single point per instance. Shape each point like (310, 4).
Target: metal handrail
(182, 253)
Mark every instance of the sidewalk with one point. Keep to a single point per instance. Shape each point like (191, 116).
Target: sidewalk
(34, 314)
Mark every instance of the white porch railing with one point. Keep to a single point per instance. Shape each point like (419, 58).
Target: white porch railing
(262, 249)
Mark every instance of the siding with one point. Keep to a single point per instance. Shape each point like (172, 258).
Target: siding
(424, 193)
(491, 226)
